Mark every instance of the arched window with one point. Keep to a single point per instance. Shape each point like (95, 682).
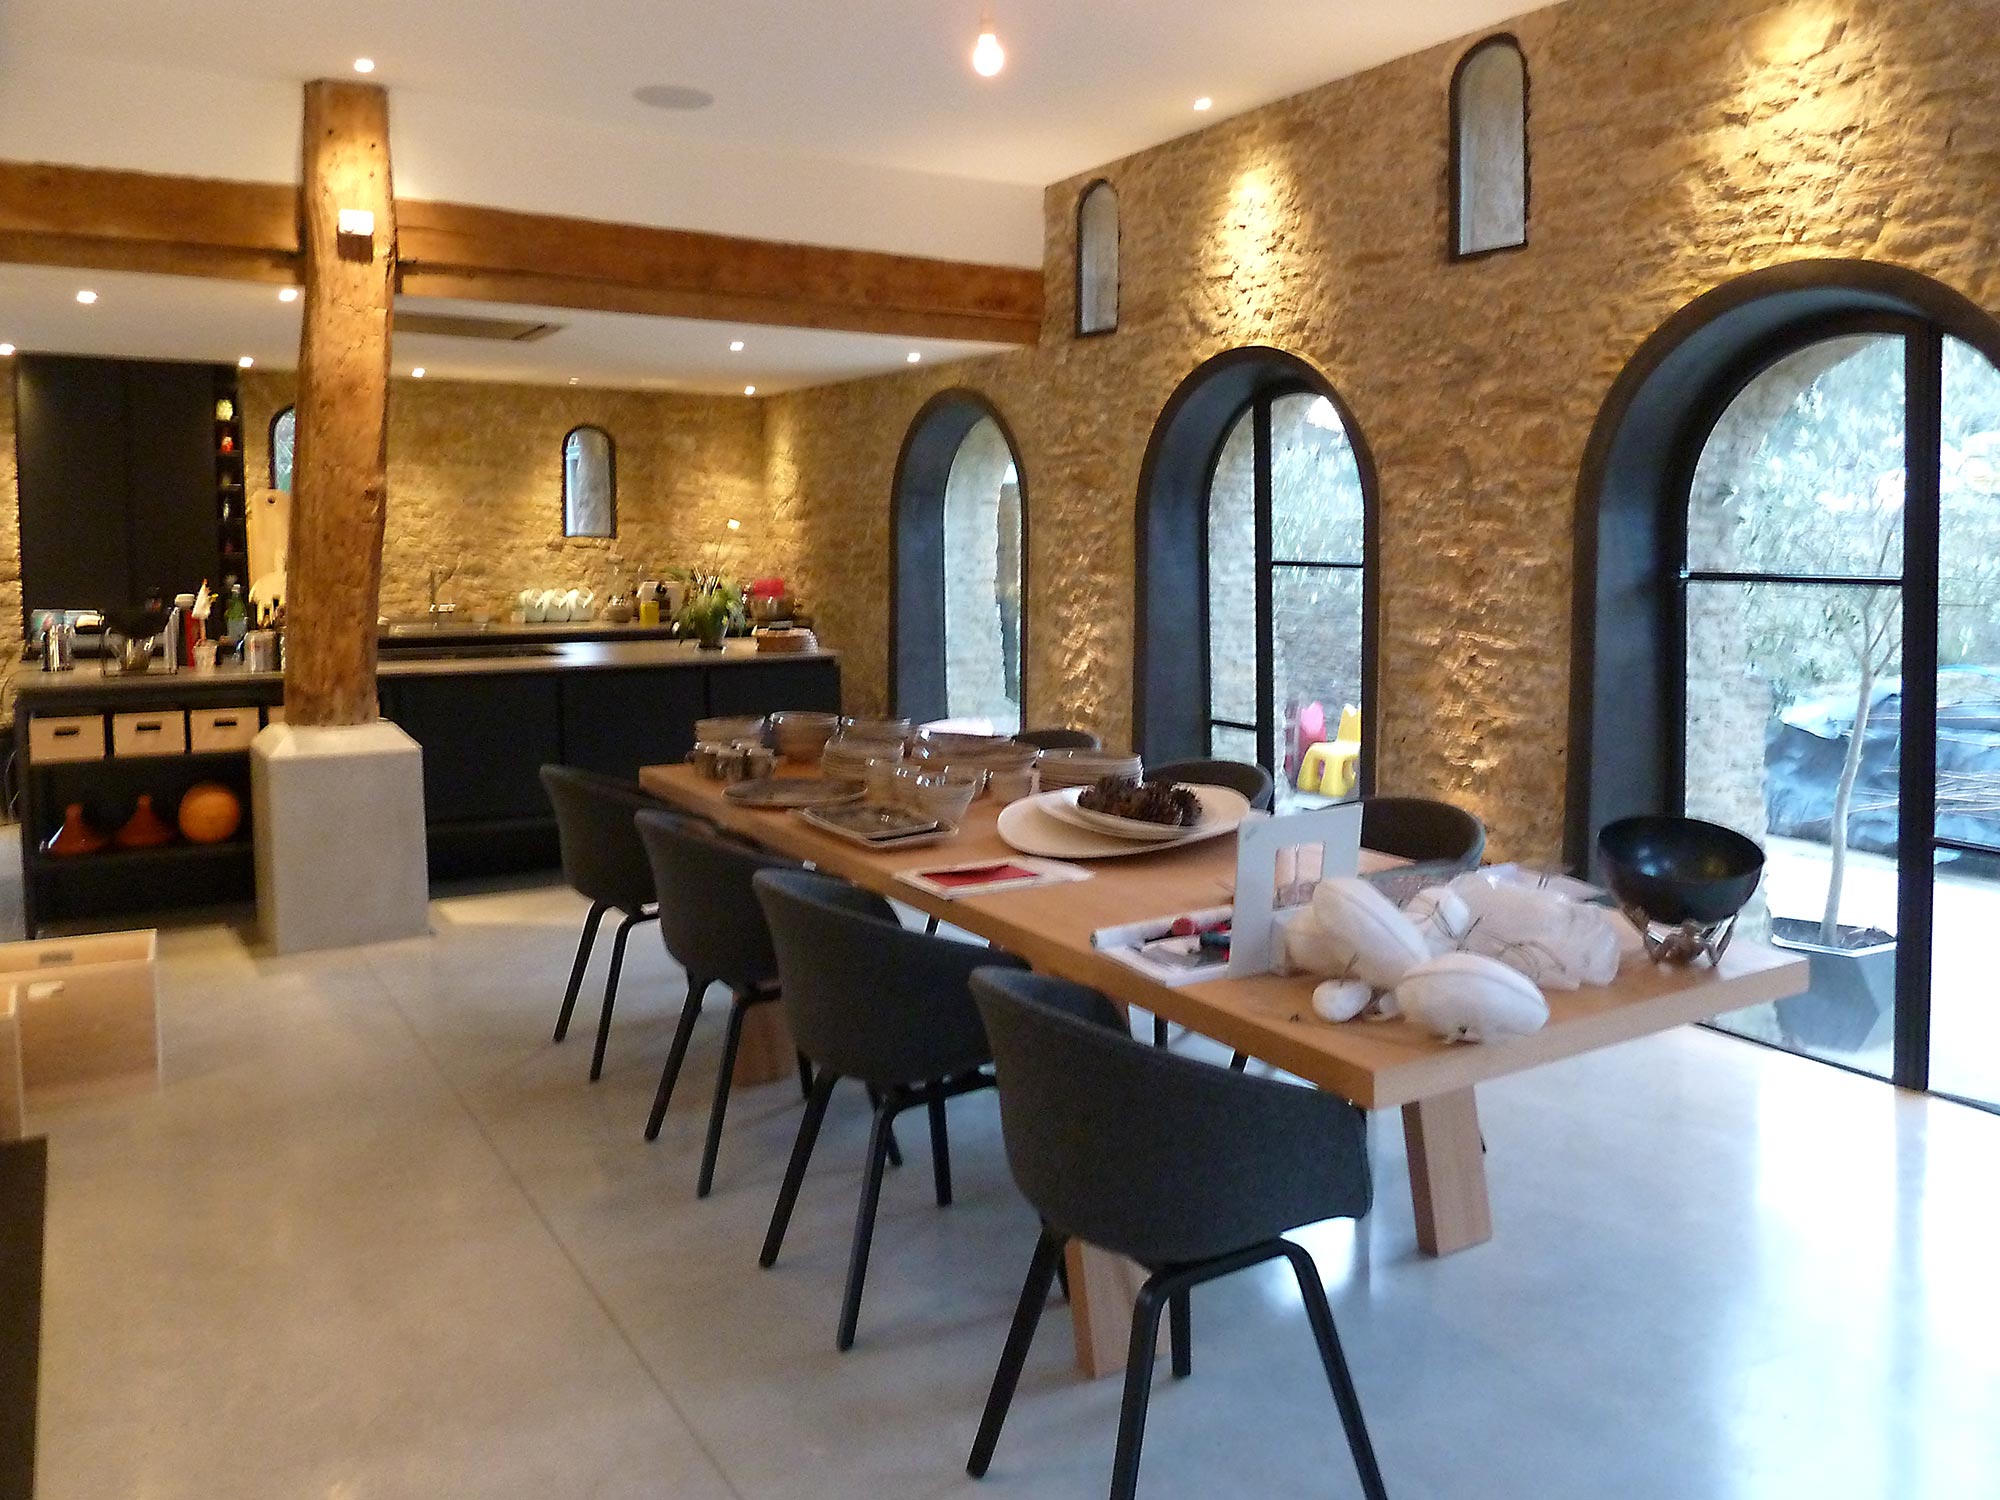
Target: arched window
(1097, 259)
(284, 443)
(1813, 586)
(1489, 149)
(590, 483)
(960, 548)
(1257, 501)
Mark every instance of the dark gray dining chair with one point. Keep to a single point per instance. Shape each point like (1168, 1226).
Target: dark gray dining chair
(602, 860)
(1437, 838)
(1253, 781)
(1192, 1171)
(870, 1000)
(714, 929)
(1060, 739)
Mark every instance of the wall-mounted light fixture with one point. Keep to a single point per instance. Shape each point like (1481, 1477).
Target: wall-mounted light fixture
(357, 223)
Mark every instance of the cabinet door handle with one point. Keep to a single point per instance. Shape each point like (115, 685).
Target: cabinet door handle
(68, 732)
(148, 728)
(218, 722)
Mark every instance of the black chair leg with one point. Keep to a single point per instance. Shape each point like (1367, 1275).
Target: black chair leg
(1046, 1264)
(795, 1170)
(731, 1041)
(1138, 1388)
(895, 1151)
(676, 1055)
(940, 1153)
(1159, 1032)
(1180, 1334)
(931, 927)
(1320, 1315)
(1238, 1061)
(805, 1077)
(864, 1228)
(583, 946)
(610, 995)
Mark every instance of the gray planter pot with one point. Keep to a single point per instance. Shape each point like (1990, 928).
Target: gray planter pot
(1850, 999)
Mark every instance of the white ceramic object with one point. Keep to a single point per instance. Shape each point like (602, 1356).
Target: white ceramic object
(533, 611)
(552, 606)
(1030, 826)
(1216, 801)
(1341, 999)
(1366, 937)
(1466, 997)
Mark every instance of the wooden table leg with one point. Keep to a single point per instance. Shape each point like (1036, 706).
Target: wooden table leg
(1102, 1290)
(1447, 1173)
(767, 1052)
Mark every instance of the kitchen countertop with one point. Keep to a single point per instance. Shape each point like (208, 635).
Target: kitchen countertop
(33, 686)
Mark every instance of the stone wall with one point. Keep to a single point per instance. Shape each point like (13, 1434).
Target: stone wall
(1673, 148)
(475, 478)
(10, 553)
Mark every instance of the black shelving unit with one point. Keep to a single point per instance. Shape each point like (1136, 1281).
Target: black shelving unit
(232, 496)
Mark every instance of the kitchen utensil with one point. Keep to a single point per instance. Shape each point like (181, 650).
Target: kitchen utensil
(935, 794)
(209, 813)
(878, 825)
(723, 730)
(801, 734)
(76, 836)
(1031, 826)
(145, 829)
(1216, 801)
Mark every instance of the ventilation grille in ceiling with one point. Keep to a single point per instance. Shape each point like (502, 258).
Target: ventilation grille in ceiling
(454, 326)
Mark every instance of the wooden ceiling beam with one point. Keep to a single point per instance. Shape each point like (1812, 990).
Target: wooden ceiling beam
(95, 219)
(249, 231)
(453, 250)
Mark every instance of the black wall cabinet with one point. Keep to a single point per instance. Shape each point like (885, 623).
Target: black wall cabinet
(117, 479)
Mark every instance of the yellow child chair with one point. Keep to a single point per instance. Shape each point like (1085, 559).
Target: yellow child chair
(1332, 767)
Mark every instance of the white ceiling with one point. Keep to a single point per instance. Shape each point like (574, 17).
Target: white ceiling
(176, 317)
(842, 122)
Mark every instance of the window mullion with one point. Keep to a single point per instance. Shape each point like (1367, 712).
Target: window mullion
(1267, 729)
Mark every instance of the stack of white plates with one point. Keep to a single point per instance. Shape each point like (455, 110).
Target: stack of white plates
(983, 752)
(846, 757)
(722, 731)
(1064, 768)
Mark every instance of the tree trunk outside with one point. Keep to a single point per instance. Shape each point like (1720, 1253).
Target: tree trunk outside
(340, 473)
(1843, 802)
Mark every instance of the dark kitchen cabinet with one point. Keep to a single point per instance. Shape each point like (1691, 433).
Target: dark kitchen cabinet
(116, 478)
(759, 685)
(616, 722)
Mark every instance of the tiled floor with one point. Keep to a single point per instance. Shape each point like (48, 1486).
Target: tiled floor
(378, 1238)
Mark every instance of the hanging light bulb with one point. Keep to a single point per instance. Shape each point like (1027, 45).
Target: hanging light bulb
(988, 56)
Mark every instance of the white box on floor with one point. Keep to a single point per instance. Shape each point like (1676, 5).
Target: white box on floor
(84, 1013)
(337, 817)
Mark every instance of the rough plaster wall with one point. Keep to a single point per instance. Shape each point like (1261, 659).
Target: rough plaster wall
(1674, 148)
(475, 475)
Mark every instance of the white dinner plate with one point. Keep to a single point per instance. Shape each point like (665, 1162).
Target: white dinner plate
(1216, 802)
(1030, 826)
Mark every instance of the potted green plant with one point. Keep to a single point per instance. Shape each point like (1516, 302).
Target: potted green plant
(713, 606)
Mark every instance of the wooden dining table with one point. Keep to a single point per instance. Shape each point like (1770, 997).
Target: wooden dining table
(1375, 1064)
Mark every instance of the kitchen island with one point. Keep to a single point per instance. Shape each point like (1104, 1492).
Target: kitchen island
(489, 714)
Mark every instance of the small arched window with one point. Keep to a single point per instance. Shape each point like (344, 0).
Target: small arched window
(1489, 149)
(1097, 259)
(590, 483)
(284, 439)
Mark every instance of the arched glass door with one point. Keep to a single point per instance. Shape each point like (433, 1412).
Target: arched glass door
(1841, 571)
(1285, 551)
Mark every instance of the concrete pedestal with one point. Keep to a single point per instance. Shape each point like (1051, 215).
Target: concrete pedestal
(339, 822)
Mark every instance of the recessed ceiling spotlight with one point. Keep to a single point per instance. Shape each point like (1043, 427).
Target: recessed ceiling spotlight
(364, 64)
(988, 56)
(1203, 104)
(913, 358)
(734, 524)
(6, 351)
(736, 346)
(288, 294)
(676, 96)
(417, 373)
(749, 390)
(86, 296)
(245, 362)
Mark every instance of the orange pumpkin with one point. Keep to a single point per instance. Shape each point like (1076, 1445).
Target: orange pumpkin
(210, 813)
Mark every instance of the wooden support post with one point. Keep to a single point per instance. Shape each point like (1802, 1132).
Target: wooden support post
(1447, 1172)
(340, 476)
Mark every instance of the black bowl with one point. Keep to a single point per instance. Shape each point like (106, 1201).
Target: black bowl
(1679, 870)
